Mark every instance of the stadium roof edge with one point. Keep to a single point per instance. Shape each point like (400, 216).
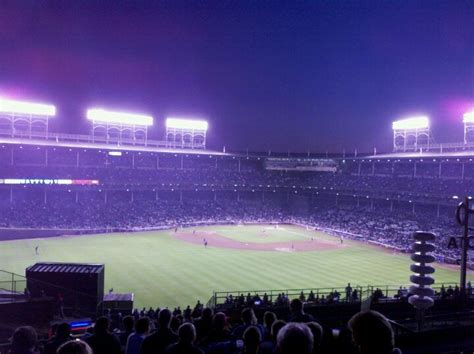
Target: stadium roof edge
(426, 154)
(96, 146)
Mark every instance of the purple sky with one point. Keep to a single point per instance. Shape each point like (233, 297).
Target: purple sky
(292, 76)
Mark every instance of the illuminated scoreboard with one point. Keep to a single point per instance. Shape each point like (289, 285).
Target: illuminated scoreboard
(46, 181)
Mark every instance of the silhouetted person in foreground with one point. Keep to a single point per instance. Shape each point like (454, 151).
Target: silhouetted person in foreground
(268, 345)
(219, 332)
(297, 313)
(185, 345)
(135, 340)
(204, 323)
(157, 342)
(252, 338)
(24, 341)
(295, 338)
(317, 331)
(372, 333)
(63, 335)
(75, 347)
(248, 319)
(128, 323)
(102, 341)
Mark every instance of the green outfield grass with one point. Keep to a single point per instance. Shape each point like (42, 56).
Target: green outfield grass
(163, 271)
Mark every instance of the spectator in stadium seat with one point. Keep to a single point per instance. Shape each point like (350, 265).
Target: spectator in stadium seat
(252, 338)
(372, 333)
(348, 291)
(204, 323)
(24, 341)
(102, 341)
(248, 319)
(128, 323)
(219, 332)
(268, 346)
(302, 296)
(185, 344)
(176, 322)
(63, 335)
(75, 347)
(268, 319)
(317, 331)
(295, 338)
(134, 341)
(297, 313)
(157, 342)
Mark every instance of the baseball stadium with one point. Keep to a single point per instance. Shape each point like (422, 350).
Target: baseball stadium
(124, 224)
(236, 177)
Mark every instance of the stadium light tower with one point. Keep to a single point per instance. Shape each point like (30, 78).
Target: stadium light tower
(411, 133)
(119, 127)
(468, 120)
(189, 133)
(24, 119)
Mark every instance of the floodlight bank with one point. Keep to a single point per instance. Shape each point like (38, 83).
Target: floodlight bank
(179, 123)
(20, 107)
(411, 123)
(468, 117)
(101, 115)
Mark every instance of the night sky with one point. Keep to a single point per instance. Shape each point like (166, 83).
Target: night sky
(298, 76)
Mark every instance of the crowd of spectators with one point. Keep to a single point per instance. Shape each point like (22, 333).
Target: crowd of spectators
(214, 333)
(393, 229)
(255, 177)
(182, 190)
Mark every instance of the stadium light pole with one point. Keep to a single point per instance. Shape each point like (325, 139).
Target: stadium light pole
(415, 127)
(110, 121)
(468, 120)
(185, 132)
(30, 112)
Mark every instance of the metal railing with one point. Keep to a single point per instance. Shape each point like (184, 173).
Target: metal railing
(90, 139)
(389, 293)
(436, 147)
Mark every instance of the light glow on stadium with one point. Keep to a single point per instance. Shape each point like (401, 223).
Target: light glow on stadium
(101, 115)
(21, 107)
(468, 117)
(179, 123)
(421, 122)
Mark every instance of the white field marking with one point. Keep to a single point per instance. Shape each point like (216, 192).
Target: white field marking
(282, 249)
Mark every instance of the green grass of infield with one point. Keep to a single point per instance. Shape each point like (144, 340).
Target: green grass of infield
(163, 271)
